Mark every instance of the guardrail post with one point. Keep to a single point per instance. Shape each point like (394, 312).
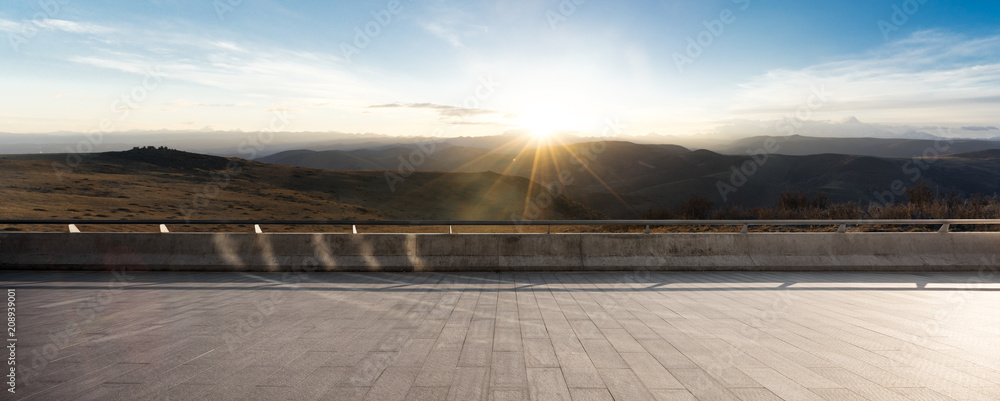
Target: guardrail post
(840, 224)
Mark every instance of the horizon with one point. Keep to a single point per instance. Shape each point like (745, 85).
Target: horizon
(720, 69)
(501, 199)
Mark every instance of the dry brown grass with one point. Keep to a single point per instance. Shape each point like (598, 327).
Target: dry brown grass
(105, 187)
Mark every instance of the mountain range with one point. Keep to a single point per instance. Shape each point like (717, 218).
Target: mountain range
(623, 179)
(442, 180)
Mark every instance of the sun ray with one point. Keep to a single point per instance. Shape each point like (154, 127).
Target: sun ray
(596, 177)
(507, 169)
(531, 180)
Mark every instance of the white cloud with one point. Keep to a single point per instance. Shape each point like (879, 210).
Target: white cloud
(9, 26)
(445, 111)
(241, 70)
(930, 76)
(229, 46)
(238, 67)
(72, 27)
(51, 24)
(452, 24)
(448, 35)
(188, 103)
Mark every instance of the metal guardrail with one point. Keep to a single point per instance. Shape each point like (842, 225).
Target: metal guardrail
(515, 222)
(944, 223)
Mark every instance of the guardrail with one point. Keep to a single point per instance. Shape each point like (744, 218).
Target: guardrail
(223, 247)
(944, 223)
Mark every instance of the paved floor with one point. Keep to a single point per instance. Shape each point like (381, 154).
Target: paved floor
(541, 336)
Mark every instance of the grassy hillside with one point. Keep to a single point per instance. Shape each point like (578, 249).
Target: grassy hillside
(797, 145)
(442, 157)
(168, 184)
(624, 180)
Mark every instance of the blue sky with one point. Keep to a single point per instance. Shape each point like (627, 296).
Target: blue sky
(485, 67)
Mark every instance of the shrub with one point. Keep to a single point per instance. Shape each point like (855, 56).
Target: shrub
(845, 211)
(820, 201)
(696, 208)
(789, 200)
(658, 214)
(921, 194)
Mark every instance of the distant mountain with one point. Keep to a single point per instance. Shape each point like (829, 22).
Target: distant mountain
(627, 179)
(796, 145)
(440, 157)
(583, 180)
(623, 179)
(989, 154)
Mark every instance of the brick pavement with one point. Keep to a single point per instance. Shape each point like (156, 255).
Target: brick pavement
(511, 336)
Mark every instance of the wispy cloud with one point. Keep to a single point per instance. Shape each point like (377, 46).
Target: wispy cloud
(452, 25)
(187, 103)
(929, 70)
(445, 111)
(51, 24)
(444, 33)
(238, 68)
(71, 96)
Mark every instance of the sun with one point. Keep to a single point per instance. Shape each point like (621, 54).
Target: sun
(543, 121)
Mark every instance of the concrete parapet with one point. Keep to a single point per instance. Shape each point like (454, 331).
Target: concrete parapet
(501, 252)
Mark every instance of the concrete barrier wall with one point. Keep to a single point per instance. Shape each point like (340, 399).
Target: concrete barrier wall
(501, 252)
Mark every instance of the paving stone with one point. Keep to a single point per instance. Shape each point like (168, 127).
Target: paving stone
(591, 394)
(759, 336)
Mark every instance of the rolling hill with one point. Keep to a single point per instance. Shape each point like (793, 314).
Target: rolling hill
(167, 184)
(797, 145)
(623, 179)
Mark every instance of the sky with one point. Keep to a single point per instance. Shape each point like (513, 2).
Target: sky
(469, 68)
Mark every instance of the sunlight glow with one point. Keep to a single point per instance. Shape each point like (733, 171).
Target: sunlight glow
(544, 120)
